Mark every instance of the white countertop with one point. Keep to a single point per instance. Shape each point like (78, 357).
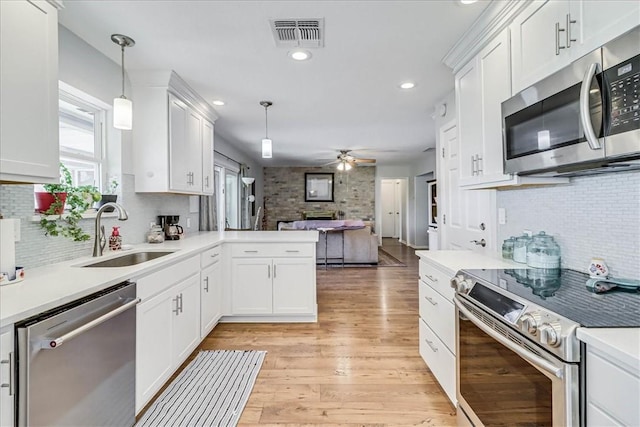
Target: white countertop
(622, 344)
(53, 285)
(465, 259)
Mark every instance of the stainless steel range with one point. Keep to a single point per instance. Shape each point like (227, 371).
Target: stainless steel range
(519, 360)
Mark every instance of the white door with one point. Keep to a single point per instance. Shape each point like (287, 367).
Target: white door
(186, 323)
(154, 319)
(467, 215)
(179, 159)
(293, 290)
(251, 288)
(207, 157)
(211, 298)
(389, 206)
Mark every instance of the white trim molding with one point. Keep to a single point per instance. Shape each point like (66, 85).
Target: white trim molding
(495, 18)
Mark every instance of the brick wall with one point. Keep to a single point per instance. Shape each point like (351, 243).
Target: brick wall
(594, 216)
(354, 193)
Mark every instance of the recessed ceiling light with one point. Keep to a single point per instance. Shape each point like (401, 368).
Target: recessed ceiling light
(218, 102)
(468, 1)
(407, 85)
(300, 55)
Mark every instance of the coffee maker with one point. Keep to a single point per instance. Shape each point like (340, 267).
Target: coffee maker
(169, 223)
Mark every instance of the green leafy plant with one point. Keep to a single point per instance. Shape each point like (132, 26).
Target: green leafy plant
(113, 186)
(78, 200)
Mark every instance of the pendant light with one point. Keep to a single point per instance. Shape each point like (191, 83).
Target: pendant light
(122, 107)
(267, 147)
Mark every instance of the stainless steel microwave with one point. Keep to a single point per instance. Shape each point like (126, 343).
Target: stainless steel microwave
(584, 117)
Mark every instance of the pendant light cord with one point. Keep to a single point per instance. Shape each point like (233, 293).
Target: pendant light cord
(122, 46)
(266, 122)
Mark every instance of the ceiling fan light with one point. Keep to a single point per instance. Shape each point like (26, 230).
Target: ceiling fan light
(267, 151)
(122, 114)
(340, 166)
(347, 166)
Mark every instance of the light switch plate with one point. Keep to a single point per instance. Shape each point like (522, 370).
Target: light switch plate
(502, 216)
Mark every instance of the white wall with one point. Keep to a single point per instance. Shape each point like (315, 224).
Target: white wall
(423, 164)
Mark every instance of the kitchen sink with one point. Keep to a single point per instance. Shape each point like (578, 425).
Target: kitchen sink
(129, 259)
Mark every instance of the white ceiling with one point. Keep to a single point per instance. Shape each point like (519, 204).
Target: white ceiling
(345, 97)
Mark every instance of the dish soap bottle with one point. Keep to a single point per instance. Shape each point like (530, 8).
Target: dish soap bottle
(115, 240)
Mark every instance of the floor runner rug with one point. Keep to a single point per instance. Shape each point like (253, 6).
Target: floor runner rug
(385, 259)
(211, 391)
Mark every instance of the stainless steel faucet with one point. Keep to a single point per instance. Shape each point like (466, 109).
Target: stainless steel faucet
(100, 240)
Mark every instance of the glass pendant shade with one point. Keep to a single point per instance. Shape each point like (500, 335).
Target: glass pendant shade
(267, 153)
(122, 114)
(248, 180)
(344, 166)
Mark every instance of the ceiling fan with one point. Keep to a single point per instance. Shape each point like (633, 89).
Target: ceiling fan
(346, 161)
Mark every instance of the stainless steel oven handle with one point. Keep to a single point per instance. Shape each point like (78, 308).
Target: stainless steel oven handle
(531, 358)
(585, 117)
(55, 343)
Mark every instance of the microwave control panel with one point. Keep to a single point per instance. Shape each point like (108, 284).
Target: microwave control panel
(623, 82)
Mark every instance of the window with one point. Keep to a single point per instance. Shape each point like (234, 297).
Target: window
(81, 136)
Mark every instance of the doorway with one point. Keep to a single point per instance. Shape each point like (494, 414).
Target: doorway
(393, 203)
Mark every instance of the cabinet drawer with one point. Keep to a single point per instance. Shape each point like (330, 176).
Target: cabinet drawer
(210, 256)
(437, 279)
(439, 314)
(439, 360)
(241, 250)
(155, 283)
(612, 388)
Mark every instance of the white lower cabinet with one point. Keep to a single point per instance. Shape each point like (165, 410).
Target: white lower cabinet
(210, 298)
(273, 286)
(168, 325)
(437, 326)
(273, 279)
(7, 377)
(613, 390)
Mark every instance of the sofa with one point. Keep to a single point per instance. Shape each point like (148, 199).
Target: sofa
(360, 243)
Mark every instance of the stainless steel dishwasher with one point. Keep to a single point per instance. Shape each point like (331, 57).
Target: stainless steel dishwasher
(76, 363)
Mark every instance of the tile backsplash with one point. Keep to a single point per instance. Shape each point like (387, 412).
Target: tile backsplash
(35, 249)
(594, 216)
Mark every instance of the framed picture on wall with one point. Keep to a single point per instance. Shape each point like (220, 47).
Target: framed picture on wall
(318, 187)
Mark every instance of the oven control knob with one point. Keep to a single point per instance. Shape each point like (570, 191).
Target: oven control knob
(464, 286)
(550, 334)
(456, 281)
(530, 322)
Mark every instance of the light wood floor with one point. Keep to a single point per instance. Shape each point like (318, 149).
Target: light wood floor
(359, 365)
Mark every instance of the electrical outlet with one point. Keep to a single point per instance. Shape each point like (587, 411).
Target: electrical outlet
(502, 216)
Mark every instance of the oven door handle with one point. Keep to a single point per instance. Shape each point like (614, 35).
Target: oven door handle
(585, 116)
(537, 361)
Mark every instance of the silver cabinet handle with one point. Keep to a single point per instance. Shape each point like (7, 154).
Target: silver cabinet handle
(274, 270)
(433, 279)
(250, 252)
(206, 284)
(473, 165)
(292, 251)
(528, 356)
(431, 301)
(180, 301)
(214, 255)
(11, 384)
(269, 271)
(55, 343)
(585, 116)
(569, 22)
(478, 164)
(558, 30)
(177, 309)
(430, 344)
(481, 242)
(206, 181)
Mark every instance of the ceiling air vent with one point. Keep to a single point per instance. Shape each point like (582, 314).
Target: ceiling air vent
(289, 33)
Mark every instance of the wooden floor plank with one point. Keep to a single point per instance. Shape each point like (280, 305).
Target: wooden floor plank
(358, 366)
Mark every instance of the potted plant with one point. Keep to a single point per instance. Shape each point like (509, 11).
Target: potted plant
(110, 195)
(77, 199)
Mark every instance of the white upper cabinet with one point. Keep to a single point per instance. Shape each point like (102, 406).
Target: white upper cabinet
(172, 135)
(29, 150)
(550, 34)
(481, 87)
